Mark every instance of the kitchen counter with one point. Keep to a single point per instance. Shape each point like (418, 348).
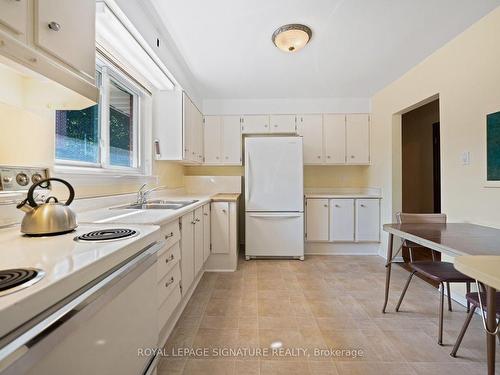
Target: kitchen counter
(225, 197)
(343, 193)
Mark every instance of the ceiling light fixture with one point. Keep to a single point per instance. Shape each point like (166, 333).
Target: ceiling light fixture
(292, 37)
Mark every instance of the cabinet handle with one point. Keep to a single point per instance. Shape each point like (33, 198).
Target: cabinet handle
(217, 157)
(319, 157)
(337, 206)
(328, 157)
(169, 282)
(275, 125)
(205, 214)
(193, 222)
(171, 257)
(224, 211)
(227, 157)
(171, 234)
(362, 205)
(352, 156)
(197, 220)
(265, 125)
(54, 26)
(325, 205)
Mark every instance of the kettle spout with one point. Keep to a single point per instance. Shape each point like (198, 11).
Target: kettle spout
(24, 206)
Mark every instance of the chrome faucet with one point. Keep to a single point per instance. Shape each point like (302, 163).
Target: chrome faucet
(143, 194)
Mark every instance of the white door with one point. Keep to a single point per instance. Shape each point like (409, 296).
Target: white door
(206, 232)
(274, 174)
(342, 220)
(311, 129)
(231, 140)
(283, 124)
(14, 14)
(358, 139)
(368, 220)
(255, 124)
(187, 251)
(71, 36)
(213, 139)
(317, 219)
(274, 234)
(334, 134)
(198, 240)
(219, 227)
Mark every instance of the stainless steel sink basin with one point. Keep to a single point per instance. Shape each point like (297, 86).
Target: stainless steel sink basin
(158, 204)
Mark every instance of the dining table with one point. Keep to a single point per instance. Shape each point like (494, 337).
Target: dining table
(463, 241)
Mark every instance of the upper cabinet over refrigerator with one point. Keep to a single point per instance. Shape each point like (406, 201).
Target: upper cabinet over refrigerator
(273, 174)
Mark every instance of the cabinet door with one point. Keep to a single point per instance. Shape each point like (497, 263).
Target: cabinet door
(219, 227)
(198, 240)
(71, 36)
(206, 232)
(198, 136)
(358, 139)
(311, 129)
(255, 124)
(213, 139)
(334, 134)
(231, 140)
(368, 220)
(14, 15)
(187, 251)
(283, 124)
(342, 220)
(187, 122)
(317, 220)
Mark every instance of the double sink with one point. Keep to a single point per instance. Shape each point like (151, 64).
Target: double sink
(158, 204)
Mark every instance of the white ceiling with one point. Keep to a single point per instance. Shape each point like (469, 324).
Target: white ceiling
(358, 46)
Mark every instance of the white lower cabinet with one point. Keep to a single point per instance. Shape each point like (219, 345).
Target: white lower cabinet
(367, 220)
(198, 240)
(206, 232)
(342, 220)
(317, 220)
(187, 251)
(219, 227)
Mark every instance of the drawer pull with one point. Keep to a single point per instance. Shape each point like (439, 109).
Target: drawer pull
(171, 234)
(171, 257)
(169, 282)
(54, 26)
(205, 214)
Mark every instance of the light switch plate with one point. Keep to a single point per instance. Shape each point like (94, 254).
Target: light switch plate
(465, 158)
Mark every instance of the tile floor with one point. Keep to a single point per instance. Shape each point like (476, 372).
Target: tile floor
(321, 303)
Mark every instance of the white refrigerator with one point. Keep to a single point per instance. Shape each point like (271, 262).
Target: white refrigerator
(274, 197)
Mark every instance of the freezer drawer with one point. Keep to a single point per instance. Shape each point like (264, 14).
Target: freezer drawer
(274, 234)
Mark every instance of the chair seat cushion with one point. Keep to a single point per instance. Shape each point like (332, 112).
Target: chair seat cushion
(474, 300)
(441, 272)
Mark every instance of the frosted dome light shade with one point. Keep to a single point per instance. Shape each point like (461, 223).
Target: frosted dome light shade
(291, 38)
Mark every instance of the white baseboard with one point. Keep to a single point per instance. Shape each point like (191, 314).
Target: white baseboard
(341, 248)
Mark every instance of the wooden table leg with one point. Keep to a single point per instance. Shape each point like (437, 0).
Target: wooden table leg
(491, 324)
(388, 270)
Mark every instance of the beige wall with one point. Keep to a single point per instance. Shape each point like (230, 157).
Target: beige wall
(465, 74)
(418, 158)
(314, 176)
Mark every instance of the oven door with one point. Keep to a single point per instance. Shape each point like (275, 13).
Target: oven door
(102, 331)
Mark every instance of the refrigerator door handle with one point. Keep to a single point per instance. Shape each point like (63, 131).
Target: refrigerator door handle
(276, 215)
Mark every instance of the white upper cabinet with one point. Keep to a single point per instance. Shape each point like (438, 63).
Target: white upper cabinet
(342, 220)
(358, 139)
(283, 124)
(311, 128)
(14, 16)
(222, 140)
(213, 139)
(317, 220)
(59, 31)
(193, 132)
(367, 220)
(231, 140)
(254, 124)
(335, 140)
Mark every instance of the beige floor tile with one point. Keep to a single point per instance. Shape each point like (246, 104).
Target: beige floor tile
(448, 368)
(322, 368)
(209, 366)
(284, 368)
(374, 368)
(250, 367)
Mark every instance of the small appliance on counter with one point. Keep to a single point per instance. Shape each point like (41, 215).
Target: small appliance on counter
(50, 217)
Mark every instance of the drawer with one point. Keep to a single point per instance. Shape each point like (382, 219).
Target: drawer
(171, 233)
(167, 260)
(168, 284)
(168, 307)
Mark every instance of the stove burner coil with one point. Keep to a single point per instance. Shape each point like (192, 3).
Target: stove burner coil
(105, 235)
(13, 280)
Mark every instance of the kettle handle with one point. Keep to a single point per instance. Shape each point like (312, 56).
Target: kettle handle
(31, 200)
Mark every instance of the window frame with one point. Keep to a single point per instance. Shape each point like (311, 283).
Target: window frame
(109, 72)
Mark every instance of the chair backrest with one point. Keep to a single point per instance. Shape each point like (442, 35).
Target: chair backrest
(421, 218)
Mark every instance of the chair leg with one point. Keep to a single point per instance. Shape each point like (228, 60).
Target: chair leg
(441, 308)
(404, 290)
(449, 296)
(462, 332)
(467, 288)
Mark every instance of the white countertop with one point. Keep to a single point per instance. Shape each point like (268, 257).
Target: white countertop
(343, 193)
(483, 268)
(68, 266)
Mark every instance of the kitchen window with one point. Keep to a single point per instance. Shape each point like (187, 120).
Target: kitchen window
(106, 136)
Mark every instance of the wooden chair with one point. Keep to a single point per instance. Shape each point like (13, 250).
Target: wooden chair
(442, 272)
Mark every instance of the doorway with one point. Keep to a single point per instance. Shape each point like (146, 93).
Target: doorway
(421, 164)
